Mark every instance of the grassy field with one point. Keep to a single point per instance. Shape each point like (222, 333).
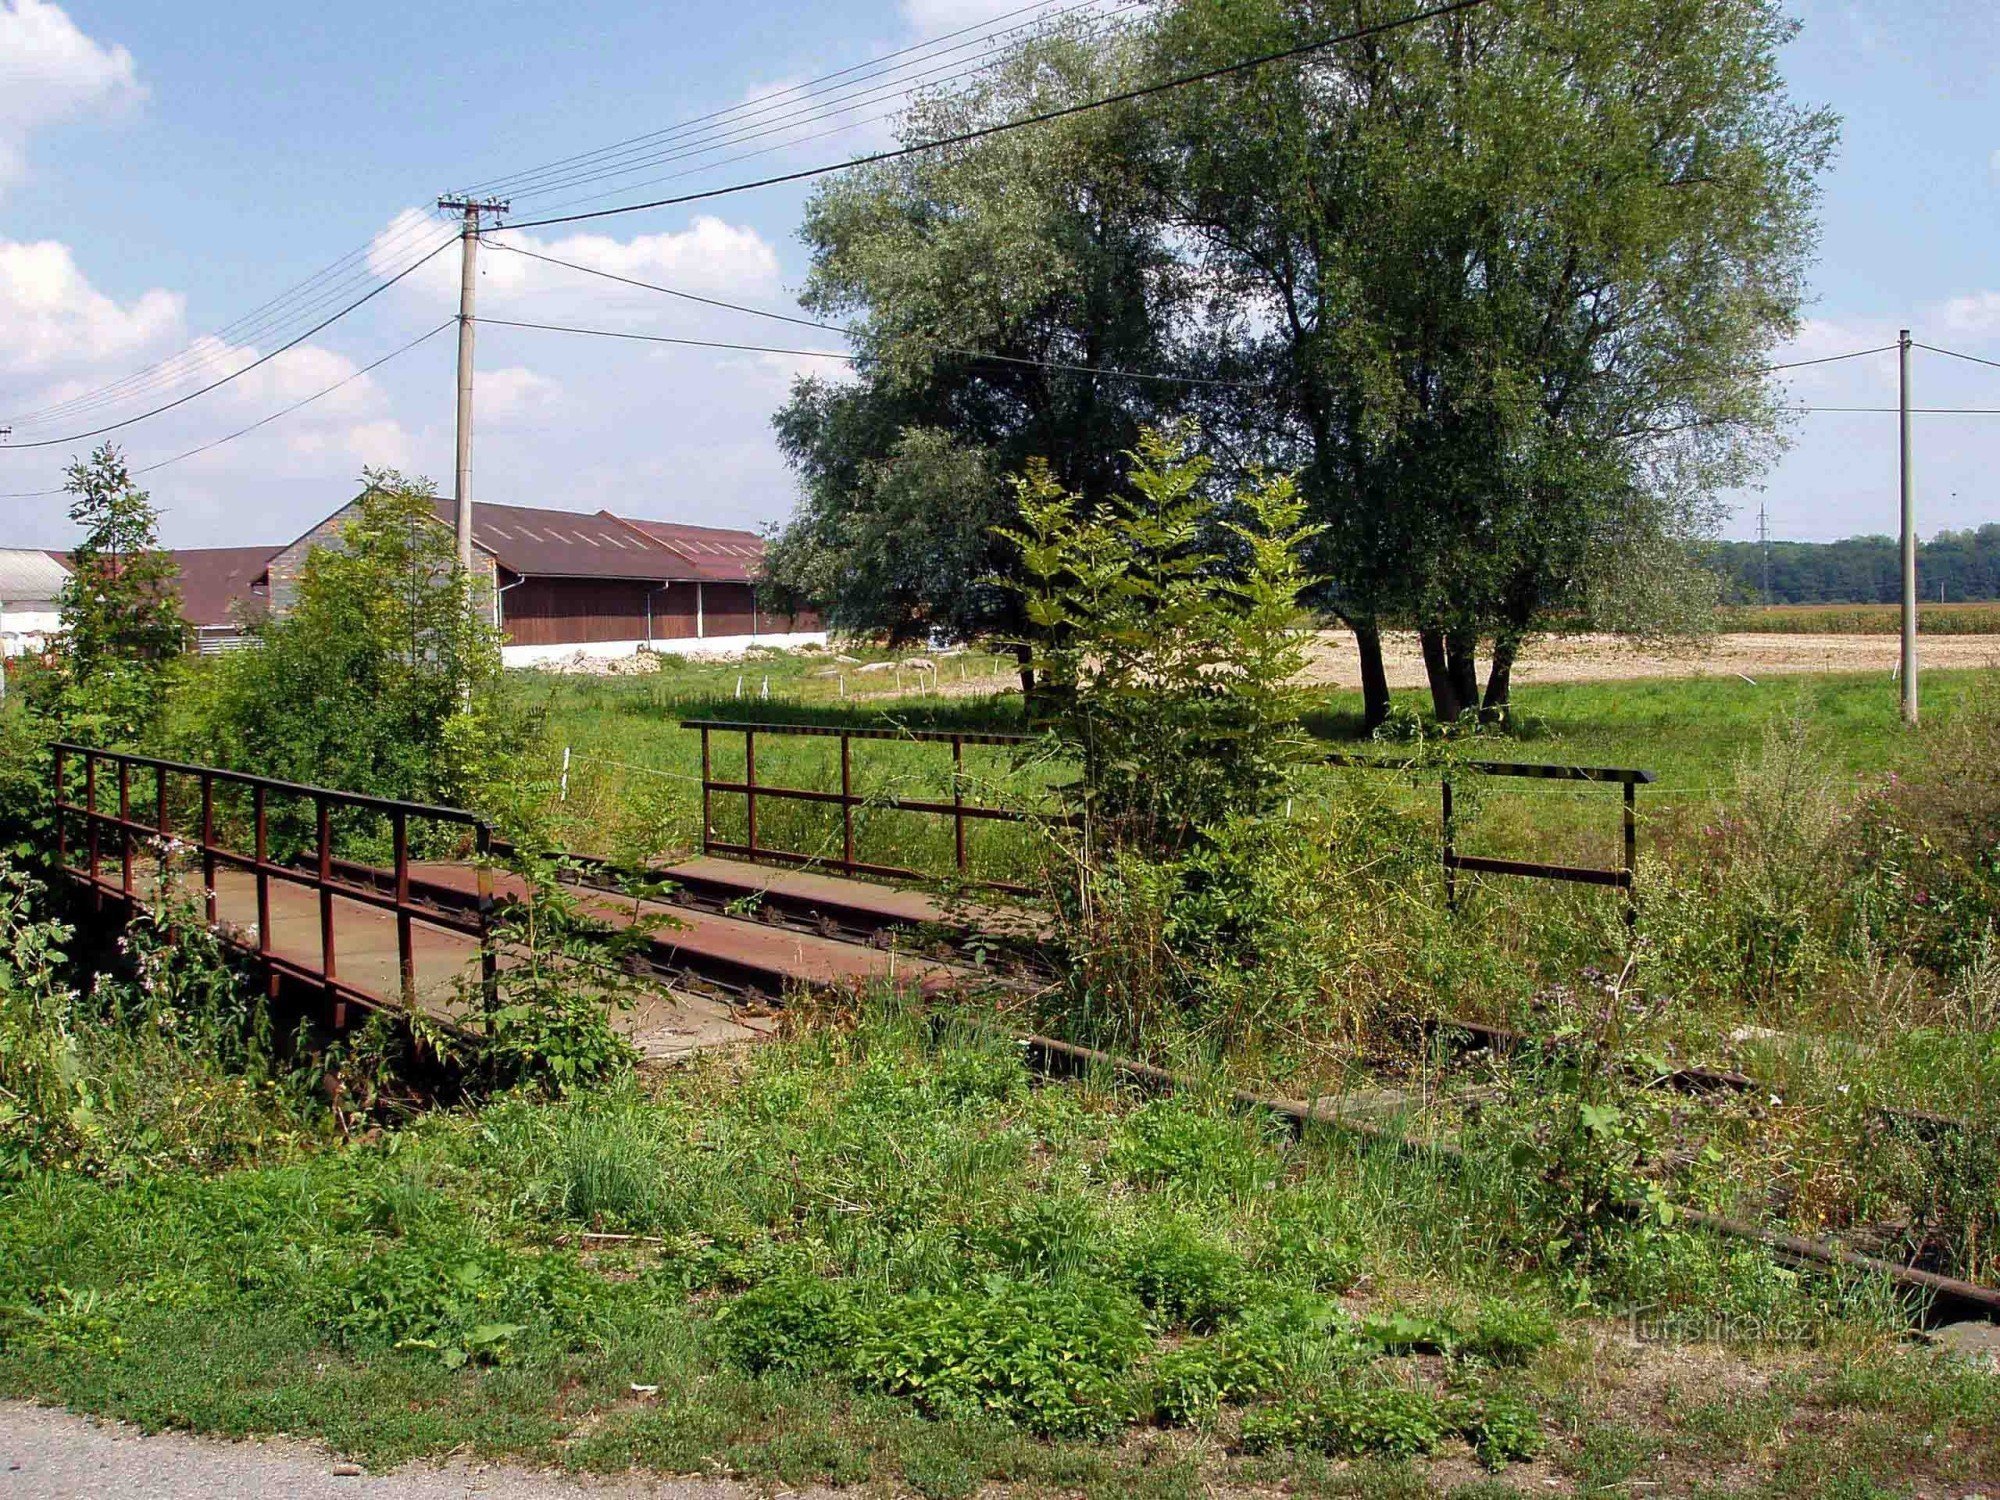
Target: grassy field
(634, 777)
(874, 1255)
(1862, 619)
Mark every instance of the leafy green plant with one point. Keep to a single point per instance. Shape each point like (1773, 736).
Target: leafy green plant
(1502, 1429)
(1348, 1421)
(1182, 1143)
(1048, 1359)
(1186, 1278)
(463, 1299)
(1166, 630)
(797, 1322)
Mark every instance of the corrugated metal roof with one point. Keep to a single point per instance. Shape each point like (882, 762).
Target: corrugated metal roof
(213, 579)
(536, 543)
(714, 554)
(29, 576)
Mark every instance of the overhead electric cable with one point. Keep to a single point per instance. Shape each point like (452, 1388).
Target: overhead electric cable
(283, 411)
(972, 354)
(661, 338)
(502, 186)
(1958, 354)
(262, 359)
(777, 112)
(1828, 359)
(984, 132)
(301, 301)
(789, 142)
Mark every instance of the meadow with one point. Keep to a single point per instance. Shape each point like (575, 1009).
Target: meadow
(1976, 618)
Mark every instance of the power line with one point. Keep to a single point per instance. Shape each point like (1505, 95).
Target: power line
(526, 181)
(661, 338)
(650, 286)
(262, 359)
(983, 132)
(790, 142)
(1800, 364)
(304, 300)
(1958, 354)
(973, 354)
(773, 115)
(284, 411)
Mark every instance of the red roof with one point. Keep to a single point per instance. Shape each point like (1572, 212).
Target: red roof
(213, 579)
(540, 543)
(714, 554)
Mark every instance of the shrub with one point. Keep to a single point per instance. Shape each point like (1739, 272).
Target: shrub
(1186, 1278)
(464, 1300)
(797, 1322)
(1177, 1142)
(1353, 1422)
(1049, 1360)
(1188, 1384)
(1502, 1429)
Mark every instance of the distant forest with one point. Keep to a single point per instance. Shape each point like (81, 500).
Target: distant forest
(1864, 569)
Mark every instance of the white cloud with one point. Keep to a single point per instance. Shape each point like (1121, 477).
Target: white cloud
(1974, 315)
(50, 72)
(53, 320)
(710, 257)
(933, 17)
(502, 395)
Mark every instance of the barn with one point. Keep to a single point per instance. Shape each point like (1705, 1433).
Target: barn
(30, 582)
(603, 585)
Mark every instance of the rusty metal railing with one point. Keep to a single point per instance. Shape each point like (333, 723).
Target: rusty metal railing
(1623, 876)
(847, 800)
(328, 878)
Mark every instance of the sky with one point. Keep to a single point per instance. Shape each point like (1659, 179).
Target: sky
(167, 169)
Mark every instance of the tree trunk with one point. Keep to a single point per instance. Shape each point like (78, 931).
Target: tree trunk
(1374, 676)
(1445, 701)
(1499, 681)
(1461, 649)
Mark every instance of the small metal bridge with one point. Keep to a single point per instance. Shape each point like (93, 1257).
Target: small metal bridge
(368, 901)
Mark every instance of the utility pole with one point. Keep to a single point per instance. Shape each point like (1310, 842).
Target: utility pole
(468, 244)
(1764, 541)
(1909, 535)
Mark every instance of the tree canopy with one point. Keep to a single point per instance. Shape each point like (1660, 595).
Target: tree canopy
(1498, 288)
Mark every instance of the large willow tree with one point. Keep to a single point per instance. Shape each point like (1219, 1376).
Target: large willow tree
(1498, 287)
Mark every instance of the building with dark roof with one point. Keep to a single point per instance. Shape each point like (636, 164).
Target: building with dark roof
(565, 583)
(222, 589)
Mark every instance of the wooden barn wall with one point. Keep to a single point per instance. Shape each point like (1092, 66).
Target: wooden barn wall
(574, 611)
(579, 611)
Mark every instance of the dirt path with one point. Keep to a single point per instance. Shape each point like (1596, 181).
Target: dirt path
(1604, 659)
(1334, 662)
(53, 1455)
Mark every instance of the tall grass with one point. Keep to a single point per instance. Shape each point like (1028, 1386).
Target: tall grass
(1861, 619)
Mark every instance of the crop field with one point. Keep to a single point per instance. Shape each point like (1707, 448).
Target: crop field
(1863, 619)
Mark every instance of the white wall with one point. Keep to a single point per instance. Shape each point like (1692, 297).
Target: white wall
(24, 632)
(714, 645)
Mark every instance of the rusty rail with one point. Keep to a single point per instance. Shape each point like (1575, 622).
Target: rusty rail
(327, 877)
(752, 791)
(1624, 876)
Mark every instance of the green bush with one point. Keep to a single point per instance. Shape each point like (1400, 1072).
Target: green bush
(1186, 1278)
(1175, 1141)
(1502, 1429)
(1188, 1384)
(464, 1300)
(1050, 1360)
(798, 1322)
(1353, 1422)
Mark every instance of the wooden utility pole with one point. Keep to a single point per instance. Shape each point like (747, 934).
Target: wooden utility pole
(1909, 535)
(468, 241)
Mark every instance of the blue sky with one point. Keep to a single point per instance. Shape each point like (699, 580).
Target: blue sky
(164, 169)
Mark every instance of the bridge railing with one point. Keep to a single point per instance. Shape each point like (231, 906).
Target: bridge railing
(752, 846)
(1623, 876)
(104, 848)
